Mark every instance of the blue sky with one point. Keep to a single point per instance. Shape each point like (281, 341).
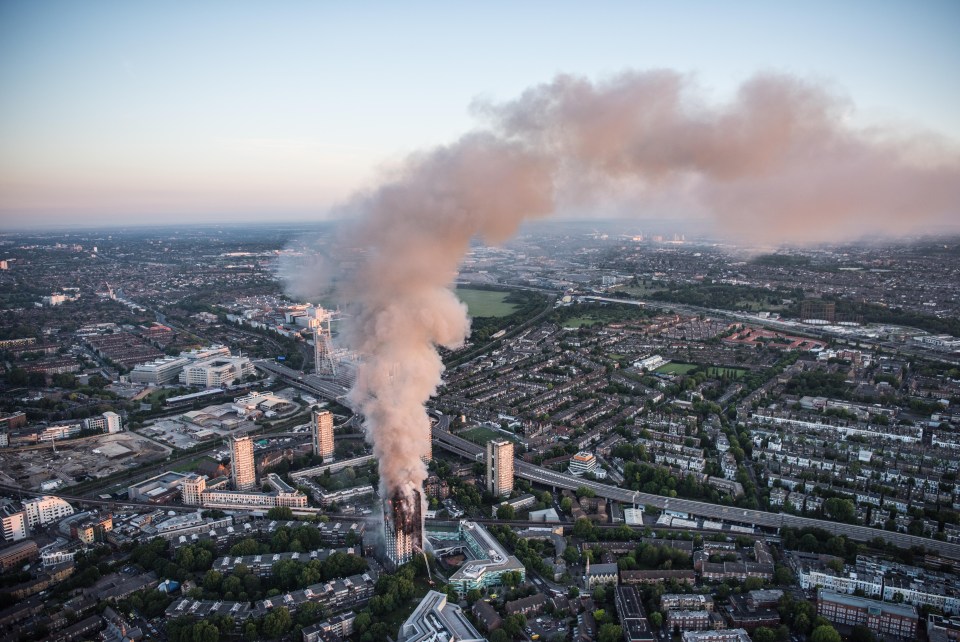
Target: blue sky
(158, 111)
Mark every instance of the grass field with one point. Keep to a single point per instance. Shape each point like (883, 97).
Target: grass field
(676, 368)
(191, 465)
(480, 435)
(734, 373)
(577, 322)
(486, 303)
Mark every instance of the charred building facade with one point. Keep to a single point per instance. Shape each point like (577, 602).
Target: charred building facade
(403, 525)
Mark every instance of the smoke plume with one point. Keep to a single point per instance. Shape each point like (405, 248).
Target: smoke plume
(778, 163)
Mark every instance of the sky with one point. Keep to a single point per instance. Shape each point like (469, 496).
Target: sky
(156, 112)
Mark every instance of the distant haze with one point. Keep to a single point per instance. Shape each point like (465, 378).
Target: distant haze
(148, 112)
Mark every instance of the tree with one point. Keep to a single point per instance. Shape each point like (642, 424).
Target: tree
(506, 512)
(861, 633)
(363, 621)
(610, 633)
(500, 635)
(473, 595)
(583, 491)
(280, 513)
(566, 504)
(782, 576)
(211, 581)
(583, 529)
(599, 595)
(763, 634)
(277, 623)
(825, 633)
(204, 631)
(656, 619)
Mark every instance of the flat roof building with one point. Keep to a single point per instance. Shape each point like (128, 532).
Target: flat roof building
(434, 619)
(583, 462)
(885, 619)
(159, 372)
(489, 559)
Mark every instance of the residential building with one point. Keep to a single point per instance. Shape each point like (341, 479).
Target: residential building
(486, 615)
(322, 434)
(14, 523)
(885, 619)
(728, 635)
(690, 602)
(530, 605)
(108, 422)
(263, 565)
(689, 620)
(243, 473)
(45, 510)
(500, 467)
(519, 503)
(336, 595)
(192, 488)
(16, 554)
(403, 526)
(436, 619)
(337, 627)
(94, 529)
(282, 495)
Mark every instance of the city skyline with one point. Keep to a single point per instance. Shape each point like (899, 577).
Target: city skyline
(131, 115)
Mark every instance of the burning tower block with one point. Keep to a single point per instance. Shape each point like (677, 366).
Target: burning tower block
(403, 525)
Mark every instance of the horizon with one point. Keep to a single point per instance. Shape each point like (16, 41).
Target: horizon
(120, 115)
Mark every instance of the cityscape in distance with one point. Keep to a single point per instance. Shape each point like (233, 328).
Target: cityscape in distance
(646, 429)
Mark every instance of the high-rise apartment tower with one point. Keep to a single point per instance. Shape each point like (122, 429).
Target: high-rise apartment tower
(243, 473)
(500, 467)
(321, 431)
(403, 526)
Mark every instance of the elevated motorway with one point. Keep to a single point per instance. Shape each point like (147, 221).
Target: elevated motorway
(729, 514)
(309, 382)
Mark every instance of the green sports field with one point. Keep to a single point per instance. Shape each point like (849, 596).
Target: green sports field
(676, 368)
(486, 303)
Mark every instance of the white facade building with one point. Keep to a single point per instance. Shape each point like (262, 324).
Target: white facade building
(46, 510)
(14, 524)
(216, 372)
(108, 422)
(159, 372)
(583, 462)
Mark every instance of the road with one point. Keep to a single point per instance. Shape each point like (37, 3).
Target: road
(309, 382)
(729, 514)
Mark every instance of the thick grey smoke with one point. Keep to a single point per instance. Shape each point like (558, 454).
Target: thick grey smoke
(413, 235)
(777, 164)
